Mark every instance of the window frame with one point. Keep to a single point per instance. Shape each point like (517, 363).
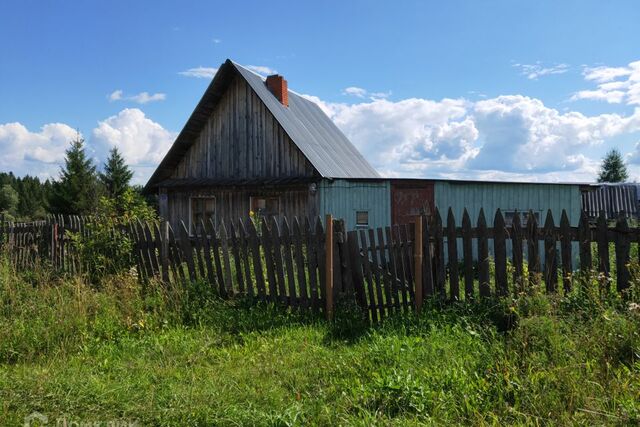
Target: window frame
(265, 196)
(357, 225)
(192, 227)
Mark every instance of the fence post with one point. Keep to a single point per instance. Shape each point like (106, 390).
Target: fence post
(164, 253)
(329, 267)
(417, 259)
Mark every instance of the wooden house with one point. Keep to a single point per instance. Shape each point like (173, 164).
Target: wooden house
(251, 144)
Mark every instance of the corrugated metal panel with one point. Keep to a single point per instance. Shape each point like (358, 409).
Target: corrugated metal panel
(343, 198)
(612, 199)
(507, 197)
(326, 147)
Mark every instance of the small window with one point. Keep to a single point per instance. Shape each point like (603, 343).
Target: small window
(362, 218)
(202, 209)
(265, 206)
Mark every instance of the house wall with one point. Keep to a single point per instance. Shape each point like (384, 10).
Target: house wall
(507, 197)
(242, 140)
(342, 198)
(410, 198)
(234, 203)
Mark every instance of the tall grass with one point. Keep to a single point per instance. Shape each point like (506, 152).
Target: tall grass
(184, 357)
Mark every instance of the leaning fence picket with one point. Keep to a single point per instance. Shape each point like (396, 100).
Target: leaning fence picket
(622, 253)
(550, 258)
(565, 251)
(483, 256)
(452, 246)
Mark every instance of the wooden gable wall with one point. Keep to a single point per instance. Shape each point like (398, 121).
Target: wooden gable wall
(243, 140)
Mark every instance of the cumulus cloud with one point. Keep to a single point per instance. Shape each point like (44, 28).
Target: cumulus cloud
(534, 71)
(508, 136)
(200, 72)
(615, 85)
(35, 153)
(141, 98)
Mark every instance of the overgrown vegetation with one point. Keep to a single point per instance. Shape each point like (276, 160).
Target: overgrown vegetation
(184, 357)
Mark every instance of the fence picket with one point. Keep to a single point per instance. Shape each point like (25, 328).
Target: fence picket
(467, 255)
(397, 272)
(228, 277)
(215, 251)
(369, 273)
(294, 300)
(550, 256)
(257, 260)
(584, 239)
(622, 253)
(517, 252)
(439, 255)
(452, 246)
(533, 249)
(300, 264)
(277, 247)
(565, 250)
(312, 265)
(483, 256)
(604, 264)
(500, 254)
(237, 258)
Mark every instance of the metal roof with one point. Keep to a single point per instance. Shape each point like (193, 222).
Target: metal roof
(319, 139)
(313, 132)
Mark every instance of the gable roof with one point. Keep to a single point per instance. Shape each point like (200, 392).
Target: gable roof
(313, 132)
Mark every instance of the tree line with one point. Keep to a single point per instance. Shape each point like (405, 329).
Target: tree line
(77, 191)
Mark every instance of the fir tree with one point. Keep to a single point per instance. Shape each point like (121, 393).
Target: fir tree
(116, 175)
(76, 191)
(8, 200)
(613, 168)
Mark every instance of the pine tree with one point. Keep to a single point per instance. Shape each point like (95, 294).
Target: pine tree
(613, 168)
(8, 199)
(116, 175)
(76, 191)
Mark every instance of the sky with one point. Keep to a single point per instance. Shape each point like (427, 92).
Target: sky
(506, 90)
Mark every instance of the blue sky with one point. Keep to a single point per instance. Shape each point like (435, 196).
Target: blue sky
(496, 89)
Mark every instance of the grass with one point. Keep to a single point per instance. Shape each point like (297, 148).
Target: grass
(184, 357)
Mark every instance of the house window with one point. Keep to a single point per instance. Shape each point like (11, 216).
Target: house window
(509, 215)
(362, 218)
(202, 209)
(265, 206)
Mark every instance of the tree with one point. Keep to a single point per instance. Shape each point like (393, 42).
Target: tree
(116, 175)
(8, 199)
(76, 192)
(613, 168)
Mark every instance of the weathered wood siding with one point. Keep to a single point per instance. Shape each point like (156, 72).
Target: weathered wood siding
(233, 203)
(242, 140)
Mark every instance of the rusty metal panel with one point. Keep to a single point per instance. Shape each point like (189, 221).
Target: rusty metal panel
(410, 198)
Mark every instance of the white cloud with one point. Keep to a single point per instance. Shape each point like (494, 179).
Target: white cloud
(141, 98)
(35, 153)
(359, 92)
(507, 137)
(615, 85)
(262, 69)
(200, 72)
(217, 41)
(533, 71)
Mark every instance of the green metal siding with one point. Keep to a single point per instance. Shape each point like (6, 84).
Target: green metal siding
(342, 198)
(507, 196)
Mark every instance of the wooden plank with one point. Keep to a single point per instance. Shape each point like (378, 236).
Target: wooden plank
(375, 266)
(243, 238)
(224, 240)
(257, 262)
(483, 256)
(187, 251)
(369, 276)
(550, 255)
(500, 254)
(329, 267)
(385, 273)
(467, 253)
(206, 254)
(320, 253)
(397, 271)
(452, 248)
(517, 252)
(357, 269)
(439, 255)
(533, 249)
(294, 300)
(427, 265)
(277, 249)
(604, 264)
(215, 251)
(418, 264)
(584, 238)
(406, 233)
(622, 244)
(300, 264)
(267, 244)
(565, 251)
(237, 256)
(312, 265)
(175, 258)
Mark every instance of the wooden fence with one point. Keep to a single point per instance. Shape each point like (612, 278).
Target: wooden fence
(307, 265)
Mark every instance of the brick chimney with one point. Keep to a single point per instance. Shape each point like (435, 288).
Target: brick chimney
(277, 85)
